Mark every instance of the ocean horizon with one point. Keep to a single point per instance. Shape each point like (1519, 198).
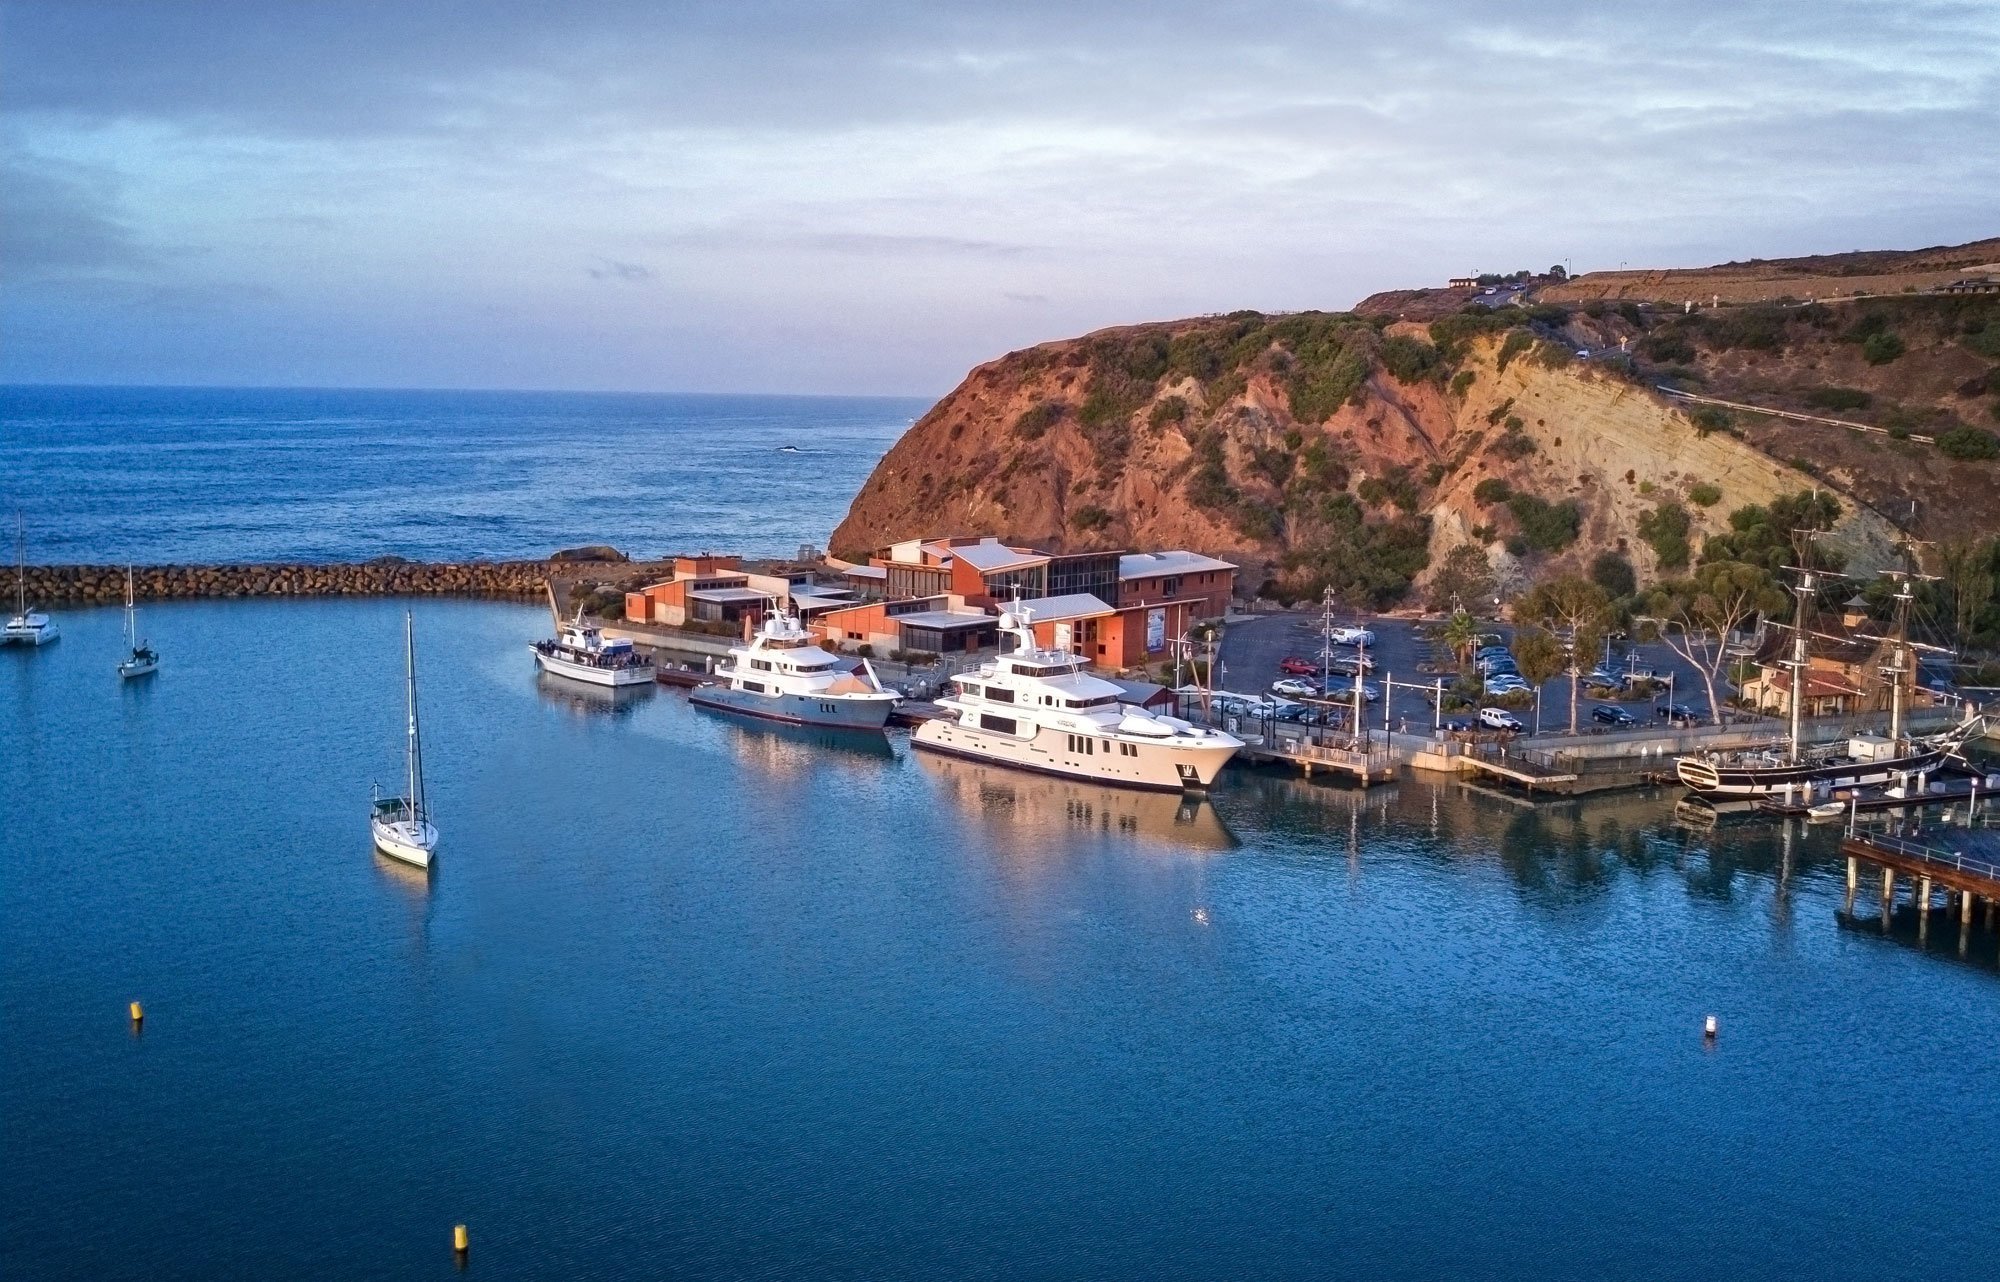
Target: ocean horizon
(160, 475)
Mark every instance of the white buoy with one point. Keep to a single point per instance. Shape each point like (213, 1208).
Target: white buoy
(1708, 1028)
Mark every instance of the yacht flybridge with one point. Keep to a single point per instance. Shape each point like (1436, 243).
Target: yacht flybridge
(783, 676)
(581, 653)
(1792, 768)
(1037, 709)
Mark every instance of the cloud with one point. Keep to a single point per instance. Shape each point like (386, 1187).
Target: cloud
(612, 269)
(61, 220)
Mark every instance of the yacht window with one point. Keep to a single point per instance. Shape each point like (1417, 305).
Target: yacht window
(999, 694)
(1099, 702)
(1005, 725)
(754, 687)
(762, 665)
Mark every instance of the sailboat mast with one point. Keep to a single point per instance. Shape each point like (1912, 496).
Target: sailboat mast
(413, 750)
(131, 619)
(20, 564)
(1799, 663)
(1899, 663)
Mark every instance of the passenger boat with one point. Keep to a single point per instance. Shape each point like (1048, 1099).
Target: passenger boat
(581, 653)
(26, 627)
(782, 675)
(1037, 709)
(143, 659)
(402, 825)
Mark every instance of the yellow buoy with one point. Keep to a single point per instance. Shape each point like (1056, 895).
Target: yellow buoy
(460, 1241)
(137, 1013)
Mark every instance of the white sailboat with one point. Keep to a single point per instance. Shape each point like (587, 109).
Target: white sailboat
(402, 825)
(27, 627)
(144, 658)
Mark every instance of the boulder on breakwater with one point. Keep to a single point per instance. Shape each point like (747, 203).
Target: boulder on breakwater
(385, 576)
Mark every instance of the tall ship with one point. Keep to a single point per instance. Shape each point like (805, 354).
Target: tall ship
(26, 627)
(1037, 709)
(581, 652)
(784, 675)
(1791, 768)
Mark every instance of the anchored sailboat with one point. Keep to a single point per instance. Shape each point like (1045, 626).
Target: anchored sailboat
(402, 825)
(144, 658)
(26, 627)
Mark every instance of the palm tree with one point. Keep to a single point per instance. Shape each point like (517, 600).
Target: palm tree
(1461, 633)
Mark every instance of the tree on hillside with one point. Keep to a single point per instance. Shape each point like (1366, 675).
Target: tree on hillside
(1464, 581)
(1579, 612)
(1540, 657)
(1967, 566)
(1696, 615)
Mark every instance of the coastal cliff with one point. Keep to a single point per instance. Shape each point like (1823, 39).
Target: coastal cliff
(1322, 449)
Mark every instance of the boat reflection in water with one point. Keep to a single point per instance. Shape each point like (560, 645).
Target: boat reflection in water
(1049, 805)
(779, 748)
(592, 700)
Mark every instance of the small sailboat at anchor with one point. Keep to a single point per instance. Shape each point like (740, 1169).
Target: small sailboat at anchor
(144, 659)
(402, 825)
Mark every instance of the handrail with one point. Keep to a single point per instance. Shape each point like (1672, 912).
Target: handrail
(1954, 859)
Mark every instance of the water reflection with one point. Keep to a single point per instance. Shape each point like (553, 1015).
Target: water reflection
(589, 700)
(1049, 806)
(787, 751)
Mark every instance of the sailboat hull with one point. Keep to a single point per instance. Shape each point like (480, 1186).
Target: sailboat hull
(411, 841)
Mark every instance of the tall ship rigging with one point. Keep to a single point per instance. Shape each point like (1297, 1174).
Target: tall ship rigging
(1037, 709)
(1794, 768)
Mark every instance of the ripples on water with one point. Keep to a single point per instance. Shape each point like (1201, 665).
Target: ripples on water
(288, 474)
(693, 997)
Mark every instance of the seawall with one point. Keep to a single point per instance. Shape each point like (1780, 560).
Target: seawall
(106, 583)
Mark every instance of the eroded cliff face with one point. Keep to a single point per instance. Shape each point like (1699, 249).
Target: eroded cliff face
(1314, 449)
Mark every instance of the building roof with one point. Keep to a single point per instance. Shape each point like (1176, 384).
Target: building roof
(729, 596)
(1146, 565)
(990, 556)
(1060, 609)
(1818, 684)
(945, 619)
(1143, 692)
(866, 572)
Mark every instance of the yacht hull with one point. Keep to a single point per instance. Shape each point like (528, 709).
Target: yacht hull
(401, 839)
(833, 712)
(1157, 766)
(614, 677)
(30, 636)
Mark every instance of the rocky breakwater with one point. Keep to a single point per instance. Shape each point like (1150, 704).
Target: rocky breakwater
(382, 577)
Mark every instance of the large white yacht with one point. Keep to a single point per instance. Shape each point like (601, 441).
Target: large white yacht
(783, 676)
(1038, 710)
(581, 653)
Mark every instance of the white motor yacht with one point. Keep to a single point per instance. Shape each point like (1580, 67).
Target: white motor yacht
(783, 675)
(1038, 710)
(582, 653)
(402, 825)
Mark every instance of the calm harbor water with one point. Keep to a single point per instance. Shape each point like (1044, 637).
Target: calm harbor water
(692, 998)
(161, 475)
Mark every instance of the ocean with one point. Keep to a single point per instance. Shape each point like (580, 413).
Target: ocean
(180, 475)
(691, 997)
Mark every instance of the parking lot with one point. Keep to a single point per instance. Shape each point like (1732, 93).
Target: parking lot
(1252, 650)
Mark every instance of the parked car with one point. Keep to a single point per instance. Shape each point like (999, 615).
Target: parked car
(1678, 713)
(1504, 685)
(1353, 663)
(1498, 663)
(1613, 716)
(1455, 725)
(1499, 719)
(1296, 687)
(1351, 636)
(1599, 677)
(1293, 665)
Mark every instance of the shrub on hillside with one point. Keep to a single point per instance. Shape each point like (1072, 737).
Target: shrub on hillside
(1666, 528)
(1710, 418)
(1461, 381)
(1034, 423)
(1171, 410)
(1967, 443)
(1408, 360)
(1492, 490)
(1702, 494)
(1838, 398)
(1545, 526)
(1090, 517)
(1880, 349)
(1517, 342)
(1614, 574)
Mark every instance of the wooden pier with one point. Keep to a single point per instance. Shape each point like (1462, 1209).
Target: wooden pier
(1966, 876)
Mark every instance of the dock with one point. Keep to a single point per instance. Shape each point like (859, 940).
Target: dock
(1963, 863)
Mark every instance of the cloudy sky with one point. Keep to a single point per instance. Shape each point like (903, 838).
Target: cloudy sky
(870, 197)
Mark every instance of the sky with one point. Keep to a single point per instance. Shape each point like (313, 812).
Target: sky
(873, 197)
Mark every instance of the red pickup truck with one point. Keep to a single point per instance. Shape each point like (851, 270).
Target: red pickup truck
(1297, 667)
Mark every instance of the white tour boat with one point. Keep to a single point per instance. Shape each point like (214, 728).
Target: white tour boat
(1036, 709)
(402, 825)
(783, 676)
(581, 653)
(27, 627)
(144, 658)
